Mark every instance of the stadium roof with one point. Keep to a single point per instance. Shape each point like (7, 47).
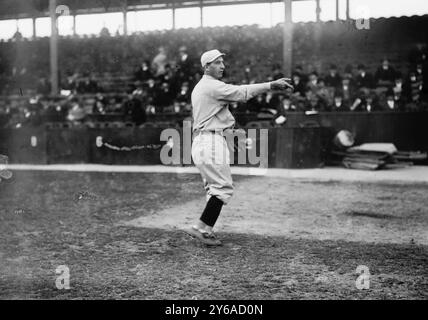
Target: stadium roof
(19, 9)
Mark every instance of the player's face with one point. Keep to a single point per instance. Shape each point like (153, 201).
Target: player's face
(216, 68)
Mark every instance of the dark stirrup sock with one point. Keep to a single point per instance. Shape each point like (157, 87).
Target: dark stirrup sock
(211, 211)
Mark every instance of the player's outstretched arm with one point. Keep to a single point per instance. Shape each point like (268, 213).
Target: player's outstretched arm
(281, 84)
(229, 92)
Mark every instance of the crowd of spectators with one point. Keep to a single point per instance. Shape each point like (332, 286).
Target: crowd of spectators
(155, 73)
(355, 90)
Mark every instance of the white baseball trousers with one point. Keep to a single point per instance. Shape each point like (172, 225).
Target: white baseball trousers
(211, 156)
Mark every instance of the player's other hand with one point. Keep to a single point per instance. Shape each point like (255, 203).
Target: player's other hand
(281, 84)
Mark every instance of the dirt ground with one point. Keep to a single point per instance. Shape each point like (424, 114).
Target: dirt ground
(120, 236)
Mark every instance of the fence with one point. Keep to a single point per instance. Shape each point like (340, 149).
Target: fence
(301, 143)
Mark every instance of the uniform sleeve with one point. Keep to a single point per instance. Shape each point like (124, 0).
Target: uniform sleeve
(228, 92)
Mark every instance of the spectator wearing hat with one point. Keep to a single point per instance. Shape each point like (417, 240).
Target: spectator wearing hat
(287, 105)
(370, 104)
(280, 116)
(333, 79)
(159, 62)
(312, 84)
(390, 104)
(339, 105)
(164, 96)
(385, 74)
(419, 70)
(398, 89)
(366, 102)
(143, 72)
(314, 102)
(298, 70)
(363, 79)
(134, 107)
(413, 87)
(275, 99)
(400, 102)
(347, 91)
(172, 79)
(151, 87)
(184, 65)
(348, 73)
(325, 94)
(184, 93)
(298, 84)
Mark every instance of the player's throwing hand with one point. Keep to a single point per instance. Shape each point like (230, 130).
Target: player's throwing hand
(281, 84)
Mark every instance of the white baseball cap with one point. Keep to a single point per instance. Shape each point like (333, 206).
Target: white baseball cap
(210, 56)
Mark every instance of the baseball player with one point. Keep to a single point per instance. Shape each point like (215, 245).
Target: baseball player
(211, 119)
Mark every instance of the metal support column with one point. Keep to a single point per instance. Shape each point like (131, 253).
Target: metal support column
(53, 47)
(287, 40)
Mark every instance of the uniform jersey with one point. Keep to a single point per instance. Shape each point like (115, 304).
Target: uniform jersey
(210, 99)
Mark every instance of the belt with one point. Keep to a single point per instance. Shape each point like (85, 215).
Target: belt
(217, 131)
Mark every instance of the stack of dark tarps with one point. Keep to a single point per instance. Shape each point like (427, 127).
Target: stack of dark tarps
(371, 156)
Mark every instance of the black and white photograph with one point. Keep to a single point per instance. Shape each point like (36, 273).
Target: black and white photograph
(216, 155)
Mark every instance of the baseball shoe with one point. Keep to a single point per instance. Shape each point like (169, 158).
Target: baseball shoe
(208, 238)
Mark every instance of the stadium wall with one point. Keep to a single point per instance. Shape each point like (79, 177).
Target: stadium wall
(303, 143)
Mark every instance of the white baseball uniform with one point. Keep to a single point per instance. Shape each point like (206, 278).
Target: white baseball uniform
(211, 117)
